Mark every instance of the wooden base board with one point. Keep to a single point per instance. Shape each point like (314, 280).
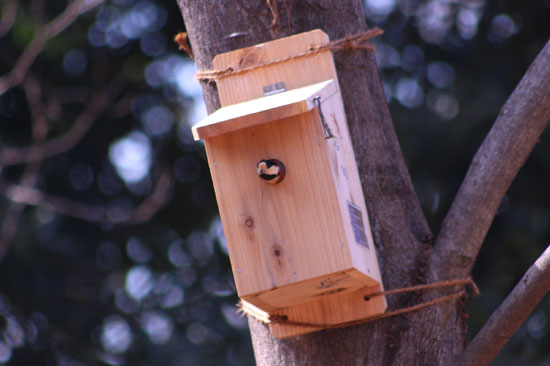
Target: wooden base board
(312, 289)
(329, 310)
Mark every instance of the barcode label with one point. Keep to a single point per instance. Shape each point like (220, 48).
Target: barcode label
(356, 217)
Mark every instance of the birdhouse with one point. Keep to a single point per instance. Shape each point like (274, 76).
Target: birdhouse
(288, 188)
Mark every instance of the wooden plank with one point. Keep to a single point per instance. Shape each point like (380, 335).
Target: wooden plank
(311, 289)
(262, 110)
(278, 234)
(350, 193)
(336, 309)
(293, 73)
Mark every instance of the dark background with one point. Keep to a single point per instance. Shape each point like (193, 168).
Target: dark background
(90, 280)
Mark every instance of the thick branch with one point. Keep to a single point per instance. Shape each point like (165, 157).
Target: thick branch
(53, 28)
(506, 320)
(495, 165)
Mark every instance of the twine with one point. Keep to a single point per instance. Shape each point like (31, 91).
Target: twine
(283, 319)
(348, 43)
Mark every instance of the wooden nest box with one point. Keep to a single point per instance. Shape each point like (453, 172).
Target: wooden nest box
(288, 188)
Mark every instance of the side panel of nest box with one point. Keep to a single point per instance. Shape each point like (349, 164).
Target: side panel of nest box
(302, 248)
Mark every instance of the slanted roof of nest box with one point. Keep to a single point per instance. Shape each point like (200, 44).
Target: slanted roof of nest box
(262, 110)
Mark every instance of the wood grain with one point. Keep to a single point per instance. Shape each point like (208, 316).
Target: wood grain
(295, 247)
(295, 73)
(262, 110)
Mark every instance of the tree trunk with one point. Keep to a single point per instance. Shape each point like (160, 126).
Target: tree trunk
(402, 236)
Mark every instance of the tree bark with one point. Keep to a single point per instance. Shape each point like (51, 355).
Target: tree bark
(402, 236)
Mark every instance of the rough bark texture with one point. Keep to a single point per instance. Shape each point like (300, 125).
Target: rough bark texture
(402, 236)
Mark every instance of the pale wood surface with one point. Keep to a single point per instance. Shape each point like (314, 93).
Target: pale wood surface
(295, 228)
(261, 110)
(336, 309)
(346, 178)
(294, 73)
(288, 241)
(312, 289)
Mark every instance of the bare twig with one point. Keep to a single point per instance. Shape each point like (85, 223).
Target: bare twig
(9, 11)
(495, 165)
(13, 213)
(71, 13)
(510, 314)
(93, 213)
(158, 198)
(275, 23)
(98, 103)
(38, 11)
(34, 197)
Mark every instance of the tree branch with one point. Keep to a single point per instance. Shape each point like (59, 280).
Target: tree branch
(9, 11)
(13, 213)
(506, 320)
(495, 165)
(57, 145)
(93, 213)
(50, 30)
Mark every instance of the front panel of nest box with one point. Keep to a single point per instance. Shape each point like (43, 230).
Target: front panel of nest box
(287, 242)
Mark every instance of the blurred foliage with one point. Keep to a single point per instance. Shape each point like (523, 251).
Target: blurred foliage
(84, 284)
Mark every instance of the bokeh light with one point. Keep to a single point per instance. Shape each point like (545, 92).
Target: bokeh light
(441, 74)
(381, 8)
(233, 317)
(537, 325)
(412, 58)
(434, 19)
(409, 93)
(467, 22)
(444, 105)
(131, 156)
(178, 256)
(139, 282)
(158, 326)
(116, 334)
(75, 63)
(157, 121)
(502, 27)
(138, 251)
(5, 352)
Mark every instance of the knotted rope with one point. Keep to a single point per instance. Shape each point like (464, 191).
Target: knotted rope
(357, 41)
(467, 282)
